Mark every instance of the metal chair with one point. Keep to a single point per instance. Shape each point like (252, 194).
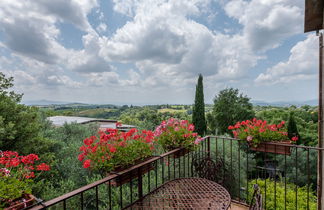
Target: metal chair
(256, 202)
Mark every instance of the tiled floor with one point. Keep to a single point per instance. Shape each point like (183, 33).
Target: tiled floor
(235, 206)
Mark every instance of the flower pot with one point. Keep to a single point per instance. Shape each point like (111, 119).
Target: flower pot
(21, 203)
(273, 147)
(132, 174)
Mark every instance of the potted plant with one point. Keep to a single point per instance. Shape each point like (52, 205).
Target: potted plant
(16, 179)
(114, 151)
(263, 137)
(175, 133)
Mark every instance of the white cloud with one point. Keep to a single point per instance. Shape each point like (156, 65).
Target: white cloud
(301, 65)
(88, 59)
(164, 45)
(72, 11)
(105, 79)
(56, 80)
(169, 48)
(30, 29)
(268, 22)
(101, 28)
(31, 32)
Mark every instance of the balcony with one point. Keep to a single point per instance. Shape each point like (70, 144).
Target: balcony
(285, 181)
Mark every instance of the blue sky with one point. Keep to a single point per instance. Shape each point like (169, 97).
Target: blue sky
(151, 51)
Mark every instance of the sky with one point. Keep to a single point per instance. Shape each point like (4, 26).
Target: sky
(151, 51)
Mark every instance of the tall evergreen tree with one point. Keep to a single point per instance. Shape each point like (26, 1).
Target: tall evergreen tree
(198, 114)
(292, 128)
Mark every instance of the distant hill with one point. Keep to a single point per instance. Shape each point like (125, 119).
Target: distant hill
(313, 102)
(44, 103)
(48, 102)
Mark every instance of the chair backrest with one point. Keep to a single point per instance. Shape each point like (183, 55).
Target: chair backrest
(256, 201)
(210, 166)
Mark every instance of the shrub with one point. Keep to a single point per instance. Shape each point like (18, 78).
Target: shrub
(273, 195)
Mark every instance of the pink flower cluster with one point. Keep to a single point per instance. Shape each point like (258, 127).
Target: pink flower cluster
(176, 125)
(174, 133)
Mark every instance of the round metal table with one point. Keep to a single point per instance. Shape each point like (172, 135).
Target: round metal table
(186, 193)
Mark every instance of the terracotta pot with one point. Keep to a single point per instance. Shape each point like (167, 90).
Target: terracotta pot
(21, 203)
(132, 174)
(273, 147)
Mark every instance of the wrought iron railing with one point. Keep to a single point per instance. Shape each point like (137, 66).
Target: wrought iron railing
(284, 180)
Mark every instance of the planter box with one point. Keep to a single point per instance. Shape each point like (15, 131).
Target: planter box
(130, 175)
(273, 147)
(181, 153)
(22, 203)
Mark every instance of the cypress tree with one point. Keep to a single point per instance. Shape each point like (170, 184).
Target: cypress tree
(198, 114)
(292, 128)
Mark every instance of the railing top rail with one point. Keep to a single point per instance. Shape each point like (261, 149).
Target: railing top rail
(74, 192)
(104, 180)
(272, 143)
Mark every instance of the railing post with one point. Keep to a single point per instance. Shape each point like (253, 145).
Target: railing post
(320, 162)
(208, 146)
(140, 183)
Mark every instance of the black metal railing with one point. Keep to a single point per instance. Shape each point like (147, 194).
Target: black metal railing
(285, 181)
(104, 194)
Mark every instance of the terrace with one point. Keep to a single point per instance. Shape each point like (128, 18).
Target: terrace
(286, 181)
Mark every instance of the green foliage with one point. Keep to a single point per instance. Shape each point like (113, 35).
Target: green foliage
(231, 107)
(273, 195)
(292, 128)
(198, 114)
(234, 171)
(143, 118)
(5, 84)
(12, 188)
(148, 118)
(289, 163)
(20, 125)
(67, 173)
(211, 123)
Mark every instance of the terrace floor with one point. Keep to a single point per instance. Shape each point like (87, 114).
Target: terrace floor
(236, 206)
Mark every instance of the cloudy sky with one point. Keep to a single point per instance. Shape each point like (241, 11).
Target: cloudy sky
(151, 51)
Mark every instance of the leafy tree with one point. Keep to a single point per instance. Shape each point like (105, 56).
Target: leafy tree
(292, 128)
(230, 107)
(19, 124)
(5, 84)
(299, 164)
(198, 114)
(211, 123)
(67, 172)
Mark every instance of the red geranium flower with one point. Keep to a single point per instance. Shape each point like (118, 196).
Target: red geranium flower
(43, 167)
(86, 164)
